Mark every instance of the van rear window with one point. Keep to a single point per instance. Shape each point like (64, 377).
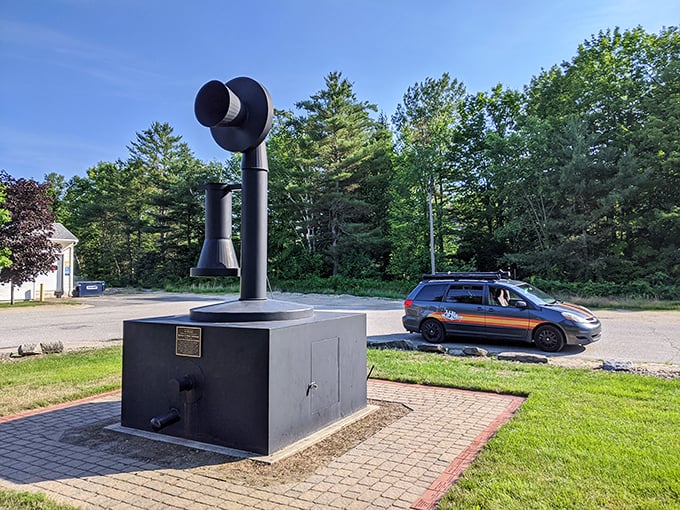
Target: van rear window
(432, 292)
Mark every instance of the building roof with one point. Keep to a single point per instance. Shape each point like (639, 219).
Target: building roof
(62, 234)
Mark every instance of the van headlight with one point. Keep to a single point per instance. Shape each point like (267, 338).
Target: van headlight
(573, 317)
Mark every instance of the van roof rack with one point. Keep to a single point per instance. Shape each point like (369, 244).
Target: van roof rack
(497, 275)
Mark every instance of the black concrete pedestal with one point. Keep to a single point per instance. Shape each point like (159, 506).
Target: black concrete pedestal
(253, 386)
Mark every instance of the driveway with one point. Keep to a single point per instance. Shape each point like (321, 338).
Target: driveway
(630, 336)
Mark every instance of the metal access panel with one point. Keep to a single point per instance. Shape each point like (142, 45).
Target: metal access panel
(324, 388)
(256, 386)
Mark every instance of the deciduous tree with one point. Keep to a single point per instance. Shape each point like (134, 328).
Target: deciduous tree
(4, 218)
(425, 124)
(27, 234)
(606, 171)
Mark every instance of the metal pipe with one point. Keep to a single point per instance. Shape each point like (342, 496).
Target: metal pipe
(218, 257)
(160, 422)
(254, 169)
(184, 383)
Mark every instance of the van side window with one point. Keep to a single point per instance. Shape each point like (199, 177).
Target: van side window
(465, 293)
(432, 292)
(499, 296)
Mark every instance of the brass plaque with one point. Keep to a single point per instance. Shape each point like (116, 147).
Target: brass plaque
(188, 341)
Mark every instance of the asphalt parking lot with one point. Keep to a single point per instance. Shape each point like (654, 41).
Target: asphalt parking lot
(627, 336)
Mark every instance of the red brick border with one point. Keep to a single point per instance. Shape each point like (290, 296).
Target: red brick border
(55, 407)
(433, 494)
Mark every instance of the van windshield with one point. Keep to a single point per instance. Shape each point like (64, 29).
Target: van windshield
(537, 293)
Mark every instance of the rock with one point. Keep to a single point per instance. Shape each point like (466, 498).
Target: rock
(432, 348)
(524, 357)
(455, 351)
(403, 345)
(29, 349)
(52, 347)
(475, 351)
(619, 366)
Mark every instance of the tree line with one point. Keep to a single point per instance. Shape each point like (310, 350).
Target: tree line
(574, 178)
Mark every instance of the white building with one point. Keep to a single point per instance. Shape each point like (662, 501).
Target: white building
(59, 281)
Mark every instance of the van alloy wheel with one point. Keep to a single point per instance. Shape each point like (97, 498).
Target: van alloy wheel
(548, 338)
(432, 331)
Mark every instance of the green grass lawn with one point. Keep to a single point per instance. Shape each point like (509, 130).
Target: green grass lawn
(33, 382)
(582, 440)
(11, 500)
(24, 304)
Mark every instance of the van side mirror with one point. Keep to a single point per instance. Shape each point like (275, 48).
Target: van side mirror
(521, 304)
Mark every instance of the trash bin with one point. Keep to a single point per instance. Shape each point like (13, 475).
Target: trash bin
(84, 289)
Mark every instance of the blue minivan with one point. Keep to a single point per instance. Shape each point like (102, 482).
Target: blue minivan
(493, 306)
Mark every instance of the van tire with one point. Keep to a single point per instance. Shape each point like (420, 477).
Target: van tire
(549, 338)
(432, 331)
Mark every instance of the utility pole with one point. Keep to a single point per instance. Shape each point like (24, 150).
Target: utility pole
(429, 206)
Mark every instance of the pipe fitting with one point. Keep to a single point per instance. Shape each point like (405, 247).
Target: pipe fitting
(160, 422)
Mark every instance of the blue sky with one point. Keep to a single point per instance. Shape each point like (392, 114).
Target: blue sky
(81, 77)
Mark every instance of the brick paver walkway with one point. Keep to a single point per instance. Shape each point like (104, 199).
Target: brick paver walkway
(408, 464)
